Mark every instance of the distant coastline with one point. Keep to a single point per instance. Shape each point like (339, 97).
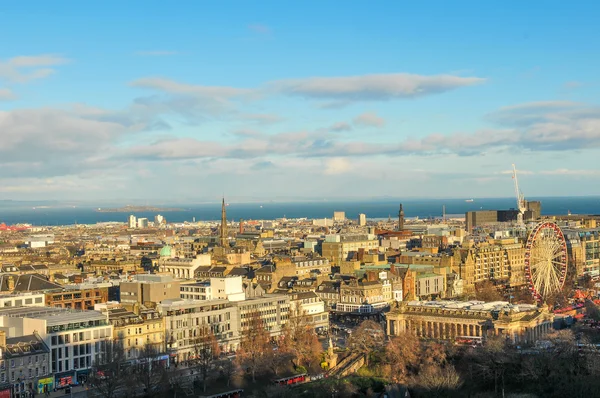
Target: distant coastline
(133, 209)
(267, 210)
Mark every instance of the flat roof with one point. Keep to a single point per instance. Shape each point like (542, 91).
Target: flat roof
(191, 302)
(53, 316)
(473, 305)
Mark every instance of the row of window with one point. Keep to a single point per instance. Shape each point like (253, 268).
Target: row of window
(19, 302)
(37, 372)
(22, 361)
(78, 363)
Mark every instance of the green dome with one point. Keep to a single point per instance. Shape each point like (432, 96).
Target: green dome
(165, 251)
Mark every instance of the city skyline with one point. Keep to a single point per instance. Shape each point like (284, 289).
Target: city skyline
(431, 100)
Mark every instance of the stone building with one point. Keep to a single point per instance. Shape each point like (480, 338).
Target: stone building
(501, 260)
(310, 305)
(185, 318)
(337, 248)
(363, 297)
(24, 364)
(184, 267)
(452, 320)
(136, 330)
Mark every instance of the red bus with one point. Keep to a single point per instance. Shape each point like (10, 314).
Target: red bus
(469, 340)
(296, 379)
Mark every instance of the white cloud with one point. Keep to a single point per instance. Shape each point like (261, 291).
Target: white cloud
(261, 118)
(369, 119)
(23, 69)
(6, 94)
(573, 173)
(339, 127)
(337, 166)
(375, 87)
(171, 86)
(519, 172)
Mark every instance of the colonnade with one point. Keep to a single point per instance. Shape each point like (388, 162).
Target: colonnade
(444, 330)
(178, 272)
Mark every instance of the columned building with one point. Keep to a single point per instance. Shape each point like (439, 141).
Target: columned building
(184, 268)
(453, 320)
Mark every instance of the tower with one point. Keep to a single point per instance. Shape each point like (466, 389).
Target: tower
(223, 234)
(401, 218)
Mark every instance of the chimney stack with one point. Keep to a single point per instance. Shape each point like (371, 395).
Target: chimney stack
(10, 283)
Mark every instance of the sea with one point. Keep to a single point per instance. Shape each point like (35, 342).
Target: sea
(55, 214)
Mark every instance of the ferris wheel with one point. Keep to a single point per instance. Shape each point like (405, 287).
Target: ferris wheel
(545, 260)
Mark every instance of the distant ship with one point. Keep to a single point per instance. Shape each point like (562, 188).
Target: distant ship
(469, 200)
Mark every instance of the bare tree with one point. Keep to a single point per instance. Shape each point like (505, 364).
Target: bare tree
(487, 291)
(366, 339)
(402, 357)
(436, 378)
(278, 357)
(592, 310)
(150, 372)
(206, 351)
(108, 373)
(493, 361)
(254, 345)
(228, 369)
(301, 341)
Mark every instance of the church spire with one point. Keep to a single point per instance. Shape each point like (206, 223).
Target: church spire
(223, 234)
(401, 218)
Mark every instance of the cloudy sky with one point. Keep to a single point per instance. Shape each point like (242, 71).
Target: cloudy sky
(191, 100)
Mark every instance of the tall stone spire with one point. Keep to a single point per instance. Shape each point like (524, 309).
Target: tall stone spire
(401, 218)
(223, 234)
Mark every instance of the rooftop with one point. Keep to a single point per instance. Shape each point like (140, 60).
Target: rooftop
(52, 316)
(474, 305)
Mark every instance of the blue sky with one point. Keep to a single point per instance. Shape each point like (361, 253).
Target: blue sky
(298, 100)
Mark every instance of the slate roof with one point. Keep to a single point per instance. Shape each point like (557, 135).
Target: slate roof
(28, 283)
(24, 345)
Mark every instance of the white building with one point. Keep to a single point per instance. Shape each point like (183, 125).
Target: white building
(132, 221)
(159, 220)
(362, 220)
(184, 318)
(36, 241)
(74, 338)
(22, 300)
(227, 288)
(195, 290)
(273, 309)
(323, 222)
(142, 223)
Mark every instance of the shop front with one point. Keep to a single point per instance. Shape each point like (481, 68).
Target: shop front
(82, 376)
(63, 380)
(45, 385)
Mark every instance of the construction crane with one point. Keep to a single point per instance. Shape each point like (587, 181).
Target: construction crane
(521, 202)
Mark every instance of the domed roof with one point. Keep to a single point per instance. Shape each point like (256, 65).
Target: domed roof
(165, 251)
